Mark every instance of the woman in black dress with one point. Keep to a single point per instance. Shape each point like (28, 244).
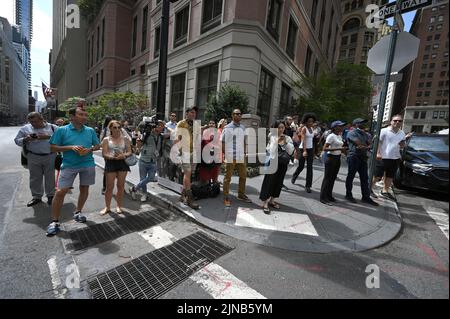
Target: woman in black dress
(280, 147)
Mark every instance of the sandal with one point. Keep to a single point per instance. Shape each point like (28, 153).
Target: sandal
(105, 211)
(266, 210)
(274, 205)
(119, 210)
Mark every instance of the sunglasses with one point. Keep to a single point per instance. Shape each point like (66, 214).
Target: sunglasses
(116, 127)
(397, 121)
(238, 114)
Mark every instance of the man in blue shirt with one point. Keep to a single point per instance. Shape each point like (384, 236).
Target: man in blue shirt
(358, 145)
(77, 142)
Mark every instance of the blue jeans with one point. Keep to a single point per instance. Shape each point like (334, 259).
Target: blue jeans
(147, 173)
(357, 164)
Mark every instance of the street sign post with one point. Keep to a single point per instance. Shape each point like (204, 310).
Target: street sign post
(389, 10)
(387, 73)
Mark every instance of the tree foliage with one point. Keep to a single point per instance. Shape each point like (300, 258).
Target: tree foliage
(90, 8)
(222, 104)
(340, 94)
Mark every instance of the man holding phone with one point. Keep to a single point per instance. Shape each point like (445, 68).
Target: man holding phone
(41, 161)
(392, 140)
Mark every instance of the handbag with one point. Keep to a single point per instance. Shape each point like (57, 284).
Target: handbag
(283, 157)
(23, 157)
(58, 161)
(131, 160)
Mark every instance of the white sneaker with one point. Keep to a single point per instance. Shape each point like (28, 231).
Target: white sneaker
(144, 198)
(295, 161)
(132, 193)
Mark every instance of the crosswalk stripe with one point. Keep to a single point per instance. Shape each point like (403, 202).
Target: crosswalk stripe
(215, 280)
(440, 218)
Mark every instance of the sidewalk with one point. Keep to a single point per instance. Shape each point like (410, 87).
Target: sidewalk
(302, 223)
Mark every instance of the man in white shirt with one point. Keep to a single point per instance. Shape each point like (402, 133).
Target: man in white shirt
(392, 140)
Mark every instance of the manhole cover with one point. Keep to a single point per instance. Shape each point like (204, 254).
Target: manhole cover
(100, 233)
(155, 273)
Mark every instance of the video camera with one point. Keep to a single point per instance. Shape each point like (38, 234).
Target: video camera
(148, 124)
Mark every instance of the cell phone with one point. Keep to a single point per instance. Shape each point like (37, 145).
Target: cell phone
(34, 135)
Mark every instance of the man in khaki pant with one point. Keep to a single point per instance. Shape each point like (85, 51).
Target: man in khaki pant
(233, 147)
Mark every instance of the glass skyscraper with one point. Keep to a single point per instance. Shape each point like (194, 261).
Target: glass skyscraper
(22, 43)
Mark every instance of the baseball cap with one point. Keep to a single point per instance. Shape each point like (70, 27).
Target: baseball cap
(359, 121)
(337, 123)
(191, 108)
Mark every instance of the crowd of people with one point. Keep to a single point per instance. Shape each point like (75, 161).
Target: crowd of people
(69, 149)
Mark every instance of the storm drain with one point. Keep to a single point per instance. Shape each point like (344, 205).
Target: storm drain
(155, 273)
(100, 233)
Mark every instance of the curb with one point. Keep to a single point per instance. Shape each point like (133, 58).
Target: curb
(390, 227)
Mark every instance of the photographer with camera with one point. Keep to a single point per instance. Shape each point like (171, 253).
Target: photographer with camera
(149, 147)
(34, 137)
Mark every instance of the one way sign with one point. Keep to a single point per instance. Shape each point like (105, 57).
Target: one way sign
(408, 5)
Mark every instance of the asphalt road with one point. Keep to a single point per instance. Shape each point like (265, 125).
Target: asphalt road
(414, 265)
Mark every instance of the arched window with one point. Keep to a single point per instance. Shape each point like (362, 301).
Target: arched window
(360, 3)
(351, 24)
(354, 4)
(347, 7)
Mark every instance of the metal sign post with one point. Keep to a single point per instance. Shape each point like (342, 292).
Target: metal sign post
(384, 91)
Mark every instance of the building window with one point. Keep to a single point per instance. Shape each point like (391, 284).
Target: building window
(423, 115)
(314, 12)
(435, 115)
(284, 100)
(422, 75)
(419, 94)
(177, 94)
(308, 61)
(435, 46)
(437, 36)
(154, 93)
(431, 28)
(344, 40)
(432, 19)
(316, 69)
(291, 39)
(354, 38)
(439, 93)
(430, 75)
(437, 102)
(427, 93)
(429, 38)
(417, 128)
(134, 37)
(92, 51)
(442, 115)
(322, 21)
(441, 18)
(133, 72)
(352, 52)
(96, 81)
(421, 84)
(428, 48)
(206, 85)
(98, 44)
(273, 18)
(426, 56)
(212, 14)
(439, 27)
(416, 115)
(265, 97)
(143, 69)
(103, 37)
(101, 78)
(157, 41)
(89, 54)
(432, 65)
(181, 27)
(144, 28)
(424, 66)
(429, 84)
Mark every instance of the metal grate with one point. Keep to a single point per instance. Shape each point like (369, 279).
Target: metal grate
(100, 233)
(155, 273)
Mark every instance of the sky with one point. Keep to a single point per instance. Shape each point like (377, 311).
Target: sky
(42, 38)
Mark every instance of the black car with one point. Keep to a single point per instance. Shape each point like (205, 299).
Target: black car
(424, 163)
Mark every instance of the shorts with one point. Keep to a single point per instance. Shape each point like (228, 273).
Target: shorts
(67, 177)
(390, 167)
(379, 169)
(187, 162)
(113, 166)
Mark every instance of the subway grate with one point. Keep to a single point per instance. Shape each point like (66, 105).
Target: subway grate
(152, 275)
(96, 234)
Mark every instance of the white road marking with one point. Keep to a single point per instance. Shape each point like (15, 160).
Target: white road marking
(440, 217)
(221, 284)
(214, 279)
(56, 280)
(277, 221)
(157, 237)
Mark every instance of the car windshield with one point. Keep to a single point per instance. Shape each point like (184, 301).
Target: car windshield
(434, 143)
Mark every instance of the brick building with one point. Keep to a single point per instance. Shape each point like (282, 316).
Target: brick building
(261, 45)
(423, 95)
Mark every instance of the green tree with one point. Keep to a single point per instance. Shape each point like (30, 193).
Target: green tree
(342, 93)
(90, 8)
(121, 106)
(222, 104)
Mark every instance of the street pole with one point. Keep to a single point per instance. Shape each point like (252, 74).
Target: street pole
(387, 75)
(163, 48)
